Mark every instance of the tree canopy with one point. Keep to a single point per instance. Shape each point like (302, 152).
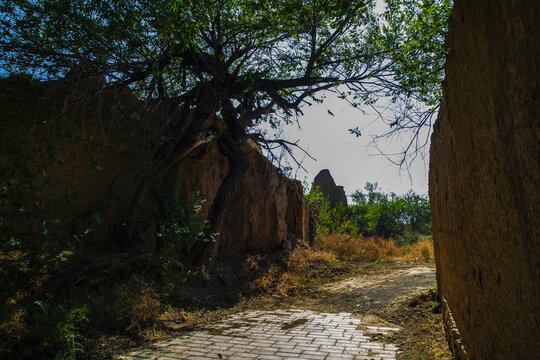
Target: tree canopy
(263, 56)
(405, 218)
(215, 69)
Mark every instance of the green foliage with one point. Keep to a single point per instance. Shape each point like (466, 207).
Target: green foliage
(320, 204)
(278, 52)
(416, 30)
(330, 219)
(58, 329)
(390, 215)
(37, 234)
(406, 217)
(180, 224)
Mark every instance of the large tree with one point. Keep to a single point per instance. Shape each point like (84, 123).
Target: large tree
(215, 69)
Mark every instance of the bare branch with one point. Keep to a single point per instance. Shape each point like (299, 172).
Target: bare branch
(273, 144)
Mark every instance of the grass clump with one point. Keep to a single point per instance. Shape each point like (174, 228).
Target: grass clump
(356, 248)
(137, 307)
(306, 267)
(306, 259)
(421, 251)
(359, 249)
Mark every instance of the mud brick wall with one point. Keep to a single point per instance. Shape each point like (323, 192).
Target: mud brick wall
(485, 178)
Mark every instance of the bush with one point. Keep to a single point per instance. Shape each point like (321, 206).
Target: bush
(354, 248)
(306, 259)
(330, 219)
(137, 306)
(406, 218)
(57, 326)
(389, 215)
(180, 224)
(421, 251)
(305, 264)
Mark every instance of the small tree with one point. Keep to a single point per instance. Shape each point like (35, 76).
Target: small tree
(390, 215)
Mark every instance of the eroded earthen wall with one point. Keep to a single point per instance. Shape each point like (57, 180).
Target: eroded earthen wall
(485, 178)
(82, 167)
(266, 209)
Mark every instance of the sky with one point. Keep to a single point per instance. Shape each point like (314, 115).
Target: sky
(352, 160)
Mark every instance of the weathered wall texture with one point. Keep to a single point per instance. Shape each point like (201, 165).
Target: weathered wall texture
(267, 207)
(74, 167)
(485, 178)
(62, 168)
(327, 186)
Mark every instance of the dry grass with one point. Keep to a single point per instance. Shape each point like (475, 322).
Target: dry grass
(348, 247)
(421, 251)
(138, 307)
(176, 318)
(308, 265)
(306, 259)
(15, 325)
(304, 264)
(351, 248)
(276, 281)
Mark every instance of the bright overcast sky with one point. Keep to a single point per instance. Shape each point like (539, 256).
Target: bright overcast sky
(352, 160)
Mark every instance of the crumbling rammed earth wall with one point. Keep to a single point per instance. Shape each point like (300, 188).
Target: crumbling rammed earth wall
(267, 207)
(485, 179)
(86, 161)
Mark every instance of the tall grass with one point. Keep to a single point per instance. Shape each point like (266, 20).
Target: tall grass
(421, 251)
(354, 248)
(357, 248)
(309, 265)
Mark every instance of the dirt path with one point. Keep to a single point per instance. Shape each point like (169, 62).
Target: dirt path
(377, 289)
(373, 315)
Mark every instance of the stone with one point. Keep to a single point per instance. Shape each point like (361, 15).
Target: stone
(327, 186)
(484, 181)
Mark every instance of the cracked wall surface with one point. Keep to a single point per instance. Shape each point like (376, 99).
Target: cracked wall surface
(485, 178)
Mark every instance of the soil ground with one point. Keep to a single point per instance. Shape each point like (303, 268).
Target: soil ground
(391, 294)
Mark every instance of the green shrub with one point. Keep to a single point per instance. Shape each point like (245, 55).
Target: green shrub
(335, 220)
(58, 328)
(404, 217)
(180, 225)
(180, 222)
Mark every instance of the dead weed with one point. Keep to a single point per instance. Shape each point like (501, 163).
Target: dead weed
(15, 325)
(305, 259)
(358, 248)
(421, 251)
(304, 264)
(352, 248)
(139, 307)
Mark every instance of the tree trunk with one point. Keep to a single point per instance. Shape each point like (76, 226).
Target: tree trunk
(196, 131)
(206, 253)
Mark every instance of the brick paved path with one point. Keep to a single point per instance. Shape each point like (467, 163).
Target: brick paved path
(275, 335)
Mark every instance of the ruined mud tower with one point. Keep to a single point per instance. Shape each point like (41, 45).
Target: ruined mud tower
(327, 186)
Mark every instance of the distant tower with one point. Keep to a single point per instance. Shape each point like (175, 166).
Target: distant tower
(328, 187)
